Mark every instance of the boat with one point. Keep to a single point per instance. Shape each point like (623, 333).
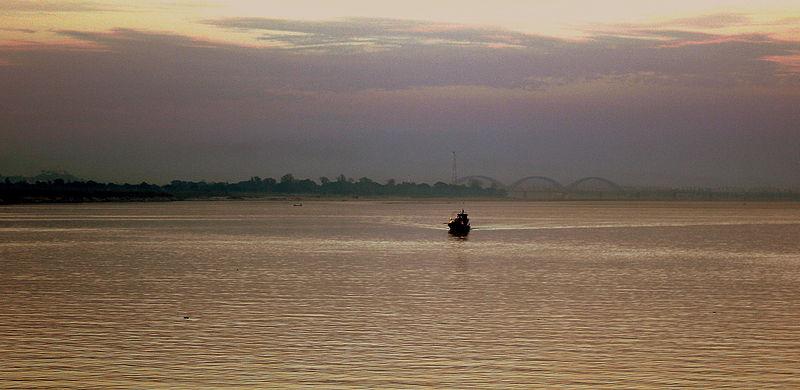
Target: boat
(459, 224)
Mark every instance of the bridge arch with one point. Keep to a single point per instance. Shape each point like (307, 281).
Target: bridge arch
(492, 181)
(515, 185)
(609, 183)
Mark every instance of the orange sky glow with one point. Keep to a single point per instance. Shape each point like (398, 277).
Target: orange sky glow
(35, 20)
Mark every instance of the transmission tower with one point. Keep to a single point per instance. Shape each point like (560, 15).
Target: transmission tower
(455, 170)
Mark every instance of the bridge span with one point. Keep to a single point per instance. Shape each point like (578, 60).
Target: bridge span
(545, 184)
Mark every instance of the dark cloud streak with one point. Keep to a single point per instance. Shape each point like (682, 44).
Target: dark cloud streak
(22, 30)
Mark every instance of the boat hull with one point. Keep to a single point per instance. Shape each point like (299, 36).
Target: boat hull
(459, 224)
(458, 229)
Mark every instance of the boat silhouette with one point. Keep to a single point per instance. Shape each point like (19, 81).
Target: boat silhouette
(459, 224)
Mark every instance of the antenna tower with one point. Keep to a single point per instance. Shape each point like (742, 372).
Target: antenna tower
(455, 170)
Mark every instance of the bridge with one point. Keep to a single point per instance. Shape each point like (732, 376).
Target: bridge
(544, 185)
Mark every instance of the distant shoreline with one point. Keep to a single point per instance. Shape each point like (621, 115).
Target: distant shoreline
(299, 199)
(289, 188)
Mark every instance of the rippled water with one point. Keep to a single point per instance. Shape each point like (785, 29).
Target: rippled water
(376, 294)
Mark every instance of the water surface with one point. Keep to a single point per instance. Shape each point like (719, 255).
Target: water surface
(375, 294)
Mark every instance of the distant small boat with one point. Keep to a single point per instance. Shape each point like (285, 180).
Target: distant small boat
(459, 224)
(297, 204)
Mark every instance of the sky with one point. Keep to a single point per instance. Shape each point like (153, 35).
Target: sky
(644, 93)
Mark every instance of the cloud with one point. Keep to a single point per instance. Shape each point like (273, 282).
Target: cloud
(22, 30)
(687, 25)
(713, 21)
(790, 63)
(376, 32)
(54, 6)
(421, 54)
(519, 58)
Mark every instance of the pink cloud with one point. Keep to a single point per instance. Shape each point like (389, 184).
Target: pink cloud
(504, 38)
(792, 63)
(715, 41)
(430, 28)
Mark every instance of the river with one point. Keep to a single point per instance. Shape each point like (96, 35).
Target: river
(375, 294)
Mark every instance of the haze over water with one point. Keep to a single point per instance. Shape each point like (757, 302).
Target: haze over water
(376, 294)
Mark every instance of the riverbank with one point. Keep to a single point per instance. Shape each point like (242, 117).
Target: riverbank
(300, 199)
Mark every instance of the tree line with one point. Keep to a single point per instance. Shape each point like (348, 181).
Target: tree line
(60, 190)
(340, 186)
